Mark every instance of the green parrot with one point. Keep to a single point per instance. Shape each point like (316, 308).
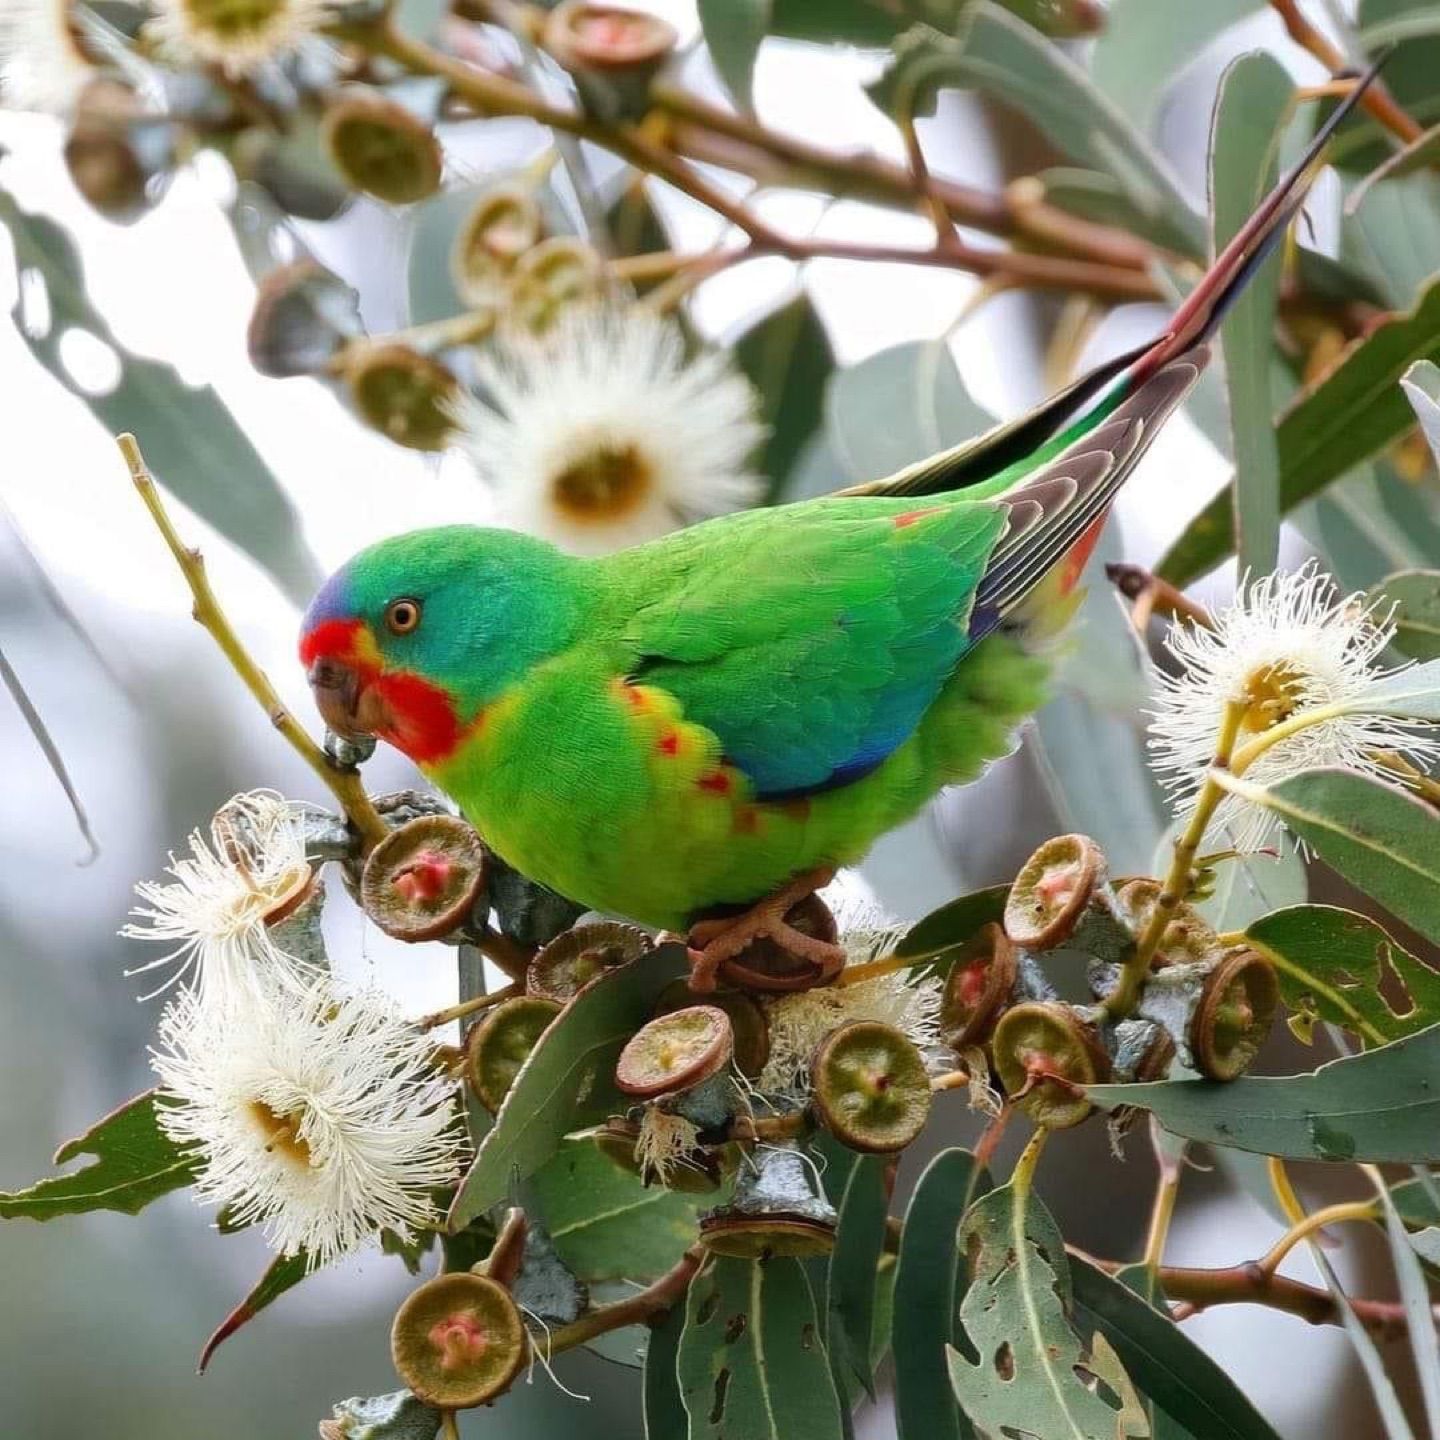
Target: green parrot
(719, 718)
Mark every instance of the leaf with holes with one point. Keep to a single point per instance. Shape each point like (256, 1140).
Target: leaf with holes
(566, 1082)
(607, 1224)
(1383, 1105)
(752, 1362)
(135, 1162)
(192, 442)
(1340, 967)
(1029, 1373)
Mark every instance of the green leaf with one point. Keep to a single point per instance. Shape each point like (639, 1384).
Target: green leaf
(751, 1362)
(862, 1204)
(575, 1058)
(605, 1223)
(1371, 523)
(1251, 112)
(1395, 234)
(733, 32)
(1416, 1201)
(1427, 1246)
(1002, 57)
(1420, 1318)
(787, 357)
(930, 1282)
(1340, 967)
(1163, 1361)
(191, 441)
(1145, 45)
(933, 940)
(1412, 694)
(897, 407)
(1248, 886)
(1025, 1377)
(665, 1417)
(135, 1162)
(1380, 838)
(877, 22)
(1379, 1106)
(1421, 384)
(283, 1273)
(1352, 413)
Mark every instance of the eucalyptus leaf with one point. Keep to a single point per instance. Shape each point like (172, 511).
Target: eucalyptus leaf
(1251, 112)
(1426, 1245)
(1025, 1378)
(1379, 837)
(751, 1362)
(1420, 1317)
(1340, 967)
(862, 1204)
(135, 1163)
(192, 443)
(934, 940)
(567, 1080)
(1411, 694)
(733, 31)
(877, 22)
(1395, 235)
(930, 1281)
(1421, 384)
(1373, 523)
(1162, 1361)
(1349, 415)
(605, 1222)
(1416, 1201)
(1383, 1105)
(665, 1417)
(283, 1273)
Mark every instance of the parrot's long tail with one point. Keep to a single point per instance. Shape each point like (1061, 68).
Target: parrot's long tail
(1010, 452)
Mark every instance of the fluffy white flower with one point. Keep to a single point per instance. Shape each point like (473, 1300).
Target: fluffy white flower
(800, 1021)
(1290, 643)
(600, 434)
(321, 1120)
(218, 909)
(240, 36)
(43, 65)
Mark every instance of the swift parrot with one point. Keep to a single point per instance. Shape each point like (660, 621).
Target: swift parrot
(721, 717)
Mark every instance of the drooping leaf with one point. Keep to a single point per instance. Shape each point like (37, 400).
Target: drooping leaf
(877, 22)
(1382, 1105)
(856, 1186)
(752, 1360)
(733, 32)
(1420, 1317)
(1349, 415)
(567, 1081)
(1025, 1376)
(1251, 112)
(930, 1281)
(608, 1225)
(192, 443)
(899, 406)
(933, 940)
(135, 1163)
(283, 1273)
(1144, 46)
(1163, 1361)
(1394, 235)
(1342, 968)
(665, 1417)
(1002, 57)
(787, 357)
(1379, 837)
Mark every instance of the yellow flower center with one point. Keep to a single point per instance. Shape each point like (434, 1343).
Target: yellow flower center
(608, 482)
(281, 1132)
(1271, 695)
(235, 20)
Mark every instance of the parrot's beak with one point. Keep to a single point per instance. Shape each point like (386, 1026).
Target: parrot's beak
(336, 687)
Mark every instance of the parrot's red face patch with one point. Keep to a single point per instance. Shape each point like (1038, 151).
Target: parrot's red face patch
(358, 695)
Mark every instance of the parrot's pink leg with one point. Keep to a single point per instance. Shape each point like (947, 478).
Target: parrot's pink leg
(712, 942)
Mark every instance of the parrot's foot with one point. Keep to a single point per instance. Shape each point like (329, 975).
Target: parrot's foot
(713, 942)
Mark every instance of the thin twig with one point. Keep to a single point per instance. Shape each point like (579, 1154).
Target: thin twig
(634, 1309)
(343, 784)
(466, 1007)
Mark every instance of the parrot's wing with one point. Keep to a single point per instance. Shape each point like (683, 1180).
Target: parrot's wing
(812, 639)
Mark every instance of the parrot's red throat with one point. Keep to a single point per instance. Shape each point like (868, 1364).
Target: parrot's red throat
(357, 698)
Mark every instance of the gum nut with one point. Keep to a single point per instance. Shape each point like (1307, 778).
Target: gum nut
(1188, 937)
(765, 964)
(1044, 1052)
(758, 1237)
(505, 223)
(1233, 1017)
(675, 1052)
(403, 394)
(587, 35)
(748, 1025)
(500, 1044)
(381, 148)
(978, 987)
(574, 958)
(424, 878)
(871, 1087)
(458, 1341)
(1052, 890)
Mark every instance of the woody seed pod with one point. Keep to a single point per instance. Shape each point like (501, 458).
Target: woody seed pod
(1045, 1054)
(425, 878)
(381, 148)
(458, 1341)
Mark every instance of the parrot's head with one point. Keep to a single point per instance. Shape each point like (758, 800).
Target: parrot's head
(412, 638)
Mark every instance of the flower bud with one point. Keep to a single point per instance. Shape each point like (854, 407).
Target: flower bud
(571, 961)
(381, 148)
(303, 314)
(458, 1341)
(871, 1088)
(1046, 1054)
(504, 225)
(501, 1042)
(777, 1209)
(403, 394)
(612, 54)
(425, 878)
(116, 151)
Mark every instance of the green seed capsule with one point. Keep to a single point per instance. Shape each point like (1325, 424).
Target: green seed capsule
(871, 1087)
(500, 1044)
(458, 1341)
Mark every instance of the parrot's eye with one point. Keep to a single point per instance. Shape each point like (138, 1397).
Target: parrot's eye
(402, 616)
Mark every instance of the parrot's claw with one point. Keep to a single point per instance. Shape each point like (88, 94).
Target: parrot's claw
(712, 942)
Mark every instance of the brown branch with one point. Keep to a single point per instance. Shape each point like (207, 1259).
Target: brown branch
(1377, 100)
(635, 1309)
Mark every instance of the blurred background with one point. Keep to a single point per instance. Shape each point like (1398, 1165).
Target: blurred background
(102, 1317)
